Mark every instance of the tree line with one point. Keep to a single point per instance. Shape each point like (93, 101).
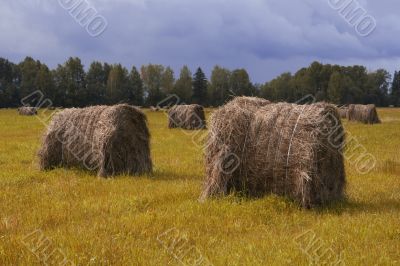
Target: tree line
(69, 85)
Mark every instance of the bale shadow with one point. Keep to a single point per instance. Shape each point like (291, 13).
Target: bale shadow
(350, 206)
(345, 206)
(166, 174)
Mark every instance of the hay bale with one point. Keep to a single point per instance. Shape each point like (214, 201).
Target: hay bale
(29, 111)
(187, 117)
(111, 140)
(366, 114)
(343, 111)
(278, 148)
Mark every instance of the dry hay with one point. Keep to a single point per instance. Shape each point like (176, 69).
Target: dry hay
(112, 140)
(25, 110)
(343, 111)
(366, 114)
(187, 117)
(252, 101)
(285, 149)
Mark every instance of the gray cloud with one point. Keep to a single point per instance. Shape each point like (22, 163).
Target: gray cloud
(267, 37)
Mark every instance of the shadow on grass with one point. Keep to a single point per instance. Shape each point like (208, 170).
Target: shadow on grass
(156, 175)
(345, 206)
(171, 175)
(350, 206)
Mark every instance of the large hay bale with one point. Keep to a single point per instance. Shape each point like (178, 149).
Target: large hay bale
(366, 114)
(29, 111)
(187, 117)
(109, 139)
(285, 149)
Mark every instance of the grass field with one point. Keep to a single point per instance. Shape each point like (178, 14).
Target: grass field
(125, 220)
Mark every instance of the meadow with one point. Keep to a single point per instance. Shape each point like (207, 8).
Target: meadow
(129, 220)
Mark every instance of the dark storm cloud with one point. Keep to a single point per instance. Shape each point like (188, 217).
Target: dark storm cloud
(266, 37)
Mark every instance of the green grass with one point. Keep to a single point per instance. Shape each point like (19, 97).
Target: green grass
(116, 221)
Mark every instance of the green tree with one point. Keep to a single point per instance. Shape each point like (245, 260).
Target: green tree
(168, 81)
(29, 69)
(325, 76)
(377, 87)
(107, 68)
(358, 75)
(282, 88)
(302, 84)
(152, 76)
(183, 86)
(315, 80)
(44, 83)
(9, 82)
(136, 87)
(70, 83)
(118, 89)
(335, 88)
(59, 78)
(96, 83)
(240, 83)
(218, 91)
(200, 84)
(6, 71)
(395, 89)
(267, 92)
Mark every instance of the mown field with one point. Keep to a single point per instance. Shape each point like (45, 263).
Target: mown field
(130, 220)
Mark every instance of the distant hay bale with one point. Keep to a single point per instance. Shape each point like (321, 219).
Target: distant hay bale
(187, 117)
(366, 114)
(112, 140)
(27, 111)
(343, 111)
(285, 149)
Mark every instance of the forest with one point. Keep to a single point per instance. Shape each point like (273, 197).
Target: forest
(71, 85)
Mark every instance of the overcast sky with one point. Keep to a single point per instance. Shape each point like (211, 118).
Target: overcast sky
(267, 37)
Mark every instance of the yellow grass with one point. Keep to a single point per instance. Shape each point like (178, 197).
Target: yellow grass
(119, 221)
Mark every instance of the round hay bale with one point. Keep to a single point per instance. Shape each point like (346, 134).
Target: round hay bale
(111, 140)
(285, 149)
(366, 114)
(189, 117)
(28, 111)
